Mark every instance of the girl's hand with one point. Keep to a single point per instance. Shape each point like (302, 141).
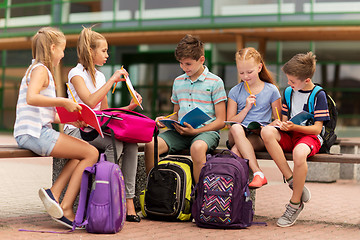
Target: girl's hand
(116, 77)
(71, 106)
(139, 98)
(250, 101)
(132, 104)
(79, 124)
(287, 126)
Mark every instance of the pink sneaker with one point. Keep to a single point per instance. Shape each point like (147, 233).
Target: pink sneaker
(257, 182)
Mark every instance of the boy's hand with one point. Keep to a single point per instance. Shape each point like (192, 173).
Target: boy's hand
(276, 123)
(287, 126)
(158, 123)
(188, 130)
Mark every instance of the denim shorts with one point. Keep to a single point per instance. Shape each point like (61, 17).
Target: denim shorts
(43, 145)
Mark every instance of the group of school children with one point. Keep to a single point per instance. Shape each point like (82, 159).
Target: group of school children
(255, 98)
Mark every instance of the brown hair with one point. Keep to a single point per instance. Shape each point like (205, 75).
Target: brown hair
(302, 66)
(248, 53)
(189, 47)
(41, 45)
(88, 40)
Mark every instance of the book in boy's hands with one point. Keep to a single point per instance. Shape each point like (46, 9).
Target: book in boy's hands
(195, 118)
(301, 117)
(86, 114)
(251, 126)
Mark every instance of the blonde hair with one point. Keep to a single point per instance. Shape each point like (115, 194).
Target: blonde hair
(251, 53)
(88, 40)
(41, 45)
(302, 66)
(189, 47)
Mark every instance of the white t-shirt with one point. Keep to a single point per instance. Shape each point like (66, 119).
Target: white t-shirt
(80, 71)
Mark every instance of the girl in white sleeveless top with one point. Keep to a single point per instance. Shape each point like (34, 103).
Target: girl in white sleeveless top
(90, 87)
(35, 112)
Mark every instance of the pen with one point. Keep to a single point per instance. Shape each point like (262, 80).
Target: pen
(122, 67)
(277, 113)
(170, 115)
(72, 94)
(249, 90)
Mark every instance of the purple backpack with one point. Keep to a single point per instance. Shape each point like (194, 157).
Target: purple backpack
(102, 209)
(222, 193)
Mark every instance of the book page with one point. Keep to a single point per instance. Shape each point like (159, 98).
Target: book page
(86, 114)
(195, 117)
(132, 91)
(169, 123)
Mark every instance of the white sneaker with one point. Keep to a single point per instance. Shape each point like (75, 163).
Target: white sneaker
(289, 217)
(51, 205)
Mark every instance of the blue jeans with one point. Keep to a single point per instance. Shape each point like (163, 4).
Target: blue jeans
(43, 145)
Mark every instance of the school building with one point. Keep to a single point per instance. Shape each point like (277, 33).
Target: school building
(142, 36)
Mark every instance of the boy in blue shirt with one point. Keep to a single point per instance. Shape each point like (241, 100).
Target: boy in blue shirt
(302, 140)
(197, 87)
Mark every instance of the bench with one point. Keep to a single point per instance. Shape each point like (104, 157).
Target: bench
(13, 151)
(320, 157)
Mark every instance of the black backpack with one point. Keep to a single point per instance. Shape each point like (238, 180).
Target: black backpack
(167, 195)
(328, 133)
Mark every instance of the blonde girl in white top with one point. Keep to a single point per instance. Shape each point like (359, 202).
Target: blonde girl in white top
(90, 87)
(35, 111)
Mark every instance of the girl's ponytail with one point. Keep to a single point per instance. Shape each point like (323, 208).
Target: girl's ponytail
(41, 46)
(87, 42)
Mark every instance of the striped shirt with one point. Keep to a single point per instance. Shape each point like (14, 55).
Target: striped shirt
(205, 92)
(30, 119)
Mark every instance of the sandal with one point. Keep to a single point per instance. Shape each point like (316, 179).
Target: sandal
(133, 218)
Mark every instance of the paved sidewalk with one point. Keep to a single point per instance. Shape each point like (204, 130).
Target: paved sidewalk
(332, 213)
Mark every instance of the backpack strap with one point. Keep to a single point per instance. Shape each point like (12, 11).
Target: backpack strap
(311, 99)
(288, 92)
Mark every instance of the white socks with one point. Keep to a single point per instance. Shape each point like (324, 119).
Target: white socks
(261, 174)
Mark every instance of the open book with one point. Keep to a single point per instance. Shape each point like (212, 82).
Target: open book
(86, 114)
(195, 118)
(251, 126)
(301, 117)
(132, 91)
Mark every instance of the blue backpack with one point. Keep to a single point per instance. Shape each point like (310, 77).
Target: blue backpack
(222, 193)
(328, 133)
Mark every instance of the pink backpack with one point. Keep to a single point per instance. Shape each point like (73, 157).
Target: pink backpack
(127, 126)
